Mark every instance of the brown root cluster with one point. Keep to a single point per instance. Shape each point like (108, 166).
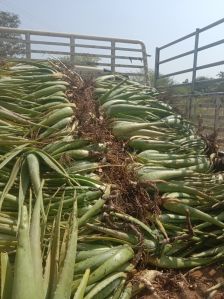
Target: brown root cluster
(127, 194)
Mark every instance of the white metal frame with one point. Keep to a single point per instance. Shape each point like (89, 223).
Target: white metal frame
(89, 46)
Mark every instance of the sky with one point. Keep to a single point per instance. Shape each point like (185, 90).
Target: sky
(155, 22)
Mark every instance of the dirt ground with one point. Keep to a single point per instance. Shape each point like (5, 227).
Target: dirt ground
(186, 285)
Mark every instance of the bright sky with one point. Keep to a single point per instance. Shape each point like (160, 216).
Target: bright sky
(156, 22)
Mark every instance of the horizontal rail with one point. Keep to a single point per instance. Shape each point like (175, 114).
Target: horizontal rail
(50, 52)
(176, 57)
(189, 83)
(76, 36)
(192, 34)
(195, 67)
(119, 65)
(39, 42)
(191, 69)
(106, 47)
(177, 40)
(92, 46)
(108, 56)
(102, 64)
(219, 42)
(79, 67)
(208, 94)
(192, 51)
(128, 65)
(76, 45)
(5, 39)
(205, 66)
(212, 25)
(132, 74)
(176, 73)
(127, 49)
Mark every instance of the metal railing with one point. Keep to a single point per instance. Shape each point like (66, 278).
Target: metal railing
(122, 55)
(195, 67)
(205, 110)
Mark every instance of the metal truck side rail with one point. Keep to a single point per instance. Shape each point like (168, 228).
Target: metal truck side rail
(195, 67)
(119, 55)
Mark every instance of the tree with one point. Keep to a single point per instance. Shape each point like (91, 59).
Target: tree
(221, 75)
(80, 60)
(10, 45)
(165, 82)
(85, 61)
(203, 84)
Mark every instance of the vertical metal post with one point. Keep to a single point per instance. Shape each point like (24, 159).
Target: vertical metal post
(145, 63)
(157, 57)
(189, 106)
(217, 108)
(113, 56)
(194, 110)
(28, 45)
(194, 72)
(195, 59)
(186, 107)
(72, 49)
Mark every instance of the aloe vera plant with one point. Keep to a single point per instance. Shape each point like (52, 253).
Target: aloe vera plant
(54, 240)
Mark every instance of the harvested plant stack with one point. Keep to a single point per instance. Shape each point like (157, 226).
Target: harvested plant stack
(55, 242)
(171, 163)
(43, 202)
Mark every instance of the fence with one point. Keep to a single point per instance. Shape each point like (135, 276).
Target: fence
(110, 54)
(193, 70)
(206, 111)
(204, 108)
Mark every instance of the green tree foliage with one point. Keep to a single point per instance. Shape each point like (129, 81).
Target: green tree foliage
(220, 75)
(9, 42)
(80, 60)
(165, 82)
(203, 84)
